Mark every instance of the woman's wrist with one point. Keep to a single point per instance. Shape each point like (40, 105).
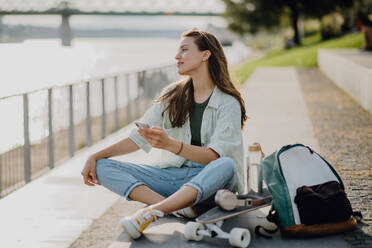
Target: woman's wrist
(93, 157)
(96, 156)
(174, 146)
(179, 150)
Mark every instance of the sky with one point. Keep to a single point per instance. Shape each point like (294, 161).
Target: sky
(130, 22)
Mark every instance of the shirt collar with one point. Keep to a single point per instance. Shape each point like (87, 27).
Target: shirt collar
(215, 100)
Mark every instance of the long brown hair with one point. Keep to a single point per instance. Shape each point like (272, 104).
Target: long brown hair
(180, 95)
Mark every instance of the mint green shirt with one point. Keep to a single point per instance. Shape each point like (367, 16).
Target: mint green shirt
(220, 130)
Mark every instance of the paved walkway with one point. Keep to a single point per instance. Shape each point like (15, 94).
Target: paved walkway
(277, 110)
(53, 210)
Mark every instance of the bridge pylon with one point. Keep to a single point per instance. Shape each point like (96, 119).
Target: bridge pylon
(1, 29)
(65, 30)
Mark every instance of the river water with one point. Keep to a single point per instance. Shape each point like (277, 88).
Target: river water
(36, 64)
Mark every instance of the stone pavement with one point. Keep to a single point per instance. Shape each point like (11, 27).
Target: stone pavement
(53, 210)
(344, 132)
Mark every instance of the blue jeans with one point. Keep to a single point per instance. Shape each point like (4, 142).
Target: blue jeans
(123, 177)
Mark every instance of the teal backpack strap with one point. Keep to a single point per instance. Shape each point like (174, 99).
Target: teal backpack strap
(274, 180)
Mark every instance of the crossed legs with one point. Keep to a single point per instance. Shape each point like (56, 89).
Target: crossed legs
(182, 198)
(166, 190)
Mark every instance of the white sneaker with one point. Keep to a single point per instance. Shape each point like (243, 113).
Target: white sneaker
(136, 224)
(188, 212)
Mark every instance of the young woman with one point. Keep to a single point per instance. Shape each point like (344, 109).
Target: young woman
(197, 123)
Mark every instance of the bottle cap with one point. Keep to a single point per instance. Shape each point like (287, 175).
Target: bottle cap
(255, 147)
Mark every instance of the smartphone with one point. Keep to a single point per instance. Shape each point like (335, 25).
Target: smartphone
(141, 125)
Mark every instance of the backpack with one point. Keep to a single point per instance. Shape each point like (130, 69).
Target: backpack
(299, 178)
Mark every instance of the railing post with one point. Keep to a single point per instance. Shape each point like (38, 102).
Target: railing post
(103, 109)
(88, 120)
(138, 107)
(26, 133)
(129, 117)
(50, 124)
(116, 103)
(143, 96)
(71, 120)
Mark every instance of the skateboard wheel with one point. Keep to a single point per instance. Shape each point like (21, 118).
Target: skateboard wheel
(240, 237)
(191, 231)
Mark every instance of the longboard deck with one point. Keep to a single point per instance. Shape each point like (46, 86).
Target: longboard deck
(217, 214)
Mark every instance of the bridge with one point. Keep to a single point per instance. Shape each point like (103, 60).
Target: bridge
(67, 8)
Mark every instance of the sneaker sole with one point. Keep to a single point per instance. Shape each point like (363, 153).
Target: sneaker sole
(187, 213)
(190, 213)
(130, 228)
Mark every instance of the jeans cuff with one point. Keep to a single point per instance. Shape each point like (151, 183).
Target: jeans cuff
(130, 188)
(199, 189)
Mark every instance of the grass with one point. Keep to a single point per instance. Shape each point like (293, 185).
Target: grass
(303, 56)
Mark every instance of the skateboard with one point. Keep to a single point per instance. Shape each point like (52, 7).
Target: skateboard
(209, 224)
(229, 205)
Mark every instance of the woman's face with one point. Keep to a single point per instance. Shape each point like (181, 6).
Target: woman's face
(188, 57)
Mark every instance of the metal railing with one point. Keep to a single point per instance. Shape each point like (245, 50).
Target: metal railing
(60, 120)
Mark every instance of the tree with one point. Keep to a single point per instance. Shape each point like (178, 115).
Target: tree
(251, 15)
(319, 8)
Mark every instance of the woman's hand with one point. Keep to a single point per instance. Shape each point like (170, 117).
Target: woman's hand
(158, 138)
(89, 172)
